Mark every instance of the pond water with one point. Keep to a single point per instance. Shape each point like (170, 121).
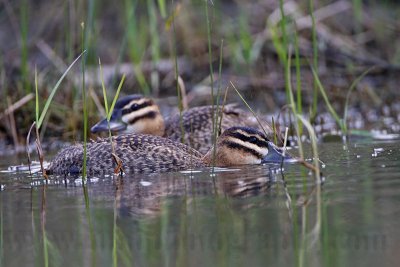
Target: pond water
(250, 216)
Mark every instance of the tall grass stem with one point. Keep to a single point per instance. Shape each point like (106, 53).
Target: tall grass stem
(210, 62)
(327, 102)
(103, 88)
(24, 44)
(298, 80)
(283, 29)
(36, 97)
(85, 123)
(218, 112)
(351, 88)
(116, 97)
(248, 106)
(313, 139)
(162, 7)
(358, 14)
(175, 56)
(315, 58)
(293, 104)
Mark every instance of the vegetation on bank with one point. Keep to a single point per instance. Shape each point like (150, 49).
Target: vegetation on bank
(208, 45)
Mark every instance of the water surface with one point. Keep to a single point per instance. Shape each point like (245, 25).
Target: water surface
(248, 216)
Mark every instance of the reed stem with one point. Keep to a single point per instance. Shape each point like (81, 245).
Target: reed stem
(315, 59)
(85, 123)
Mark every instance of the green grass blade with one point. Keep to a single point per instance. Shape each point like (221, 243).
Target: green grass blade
(315, 58)
(298, 72)
(104, 88)
(54, 90)
(278, 45)
(219, 85)
(289, 92)
(358, 14)
(325, 97)
(288, 84)
(298, 80)
(283, 30)
(216, 110)
(174, 53)
(313, 139)
(154, 35)
(162, 7)
(89, 42)
(37, 97)
(210, 61)
(24, 29)
(115, 97)
(248, 106)
(352, 86)
(85, 117)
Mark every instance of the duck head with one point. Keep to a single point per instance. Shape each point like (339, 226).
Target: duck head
(134, 114)
(242, 146)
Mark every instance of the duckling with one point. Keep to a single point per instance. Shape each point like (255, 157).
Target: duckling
(138, 114)
(142, 153)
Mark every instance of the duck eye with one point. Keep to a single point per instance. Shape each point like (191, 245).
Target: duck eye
(253, 139)
(134, 106)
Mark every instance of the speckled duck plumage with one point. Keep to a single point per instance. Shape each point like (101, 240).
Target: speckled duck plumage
(140, 153)
(198, 126)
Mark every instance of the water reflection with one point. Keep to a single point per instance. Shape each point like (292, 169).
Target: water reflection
(144, 195)
(255, 215)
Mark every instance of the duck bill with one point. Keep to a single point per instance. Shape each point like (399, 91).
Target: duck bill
(275, 155)
(103, 126)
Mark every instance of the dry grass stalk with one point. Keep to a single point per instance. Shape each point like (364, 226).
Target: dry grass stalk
(12, 124)
(17, 105)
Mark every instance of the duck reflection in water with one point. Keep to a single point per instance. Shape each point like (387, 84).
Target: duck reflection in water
(149, 195)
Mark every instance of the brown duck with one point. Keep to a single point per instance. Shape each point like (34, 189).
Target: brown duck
(138, 114)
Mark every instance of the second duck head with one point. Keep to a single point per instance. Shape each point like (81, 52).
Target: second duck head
(133, 113)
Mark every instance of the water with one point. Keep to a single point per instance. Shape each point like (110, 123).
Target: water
(251, 216)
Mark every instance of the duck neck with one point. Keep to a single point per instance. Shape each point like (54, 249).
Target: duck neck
(213, 159)
(159, 127)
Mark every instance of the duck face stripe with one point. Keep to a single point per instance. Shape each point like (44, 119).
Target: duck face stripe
(123, 101)
(136, 106)
(245, 149)
(254, 139)
(148, 115)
